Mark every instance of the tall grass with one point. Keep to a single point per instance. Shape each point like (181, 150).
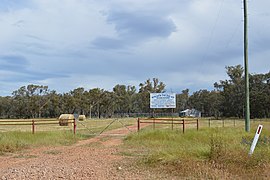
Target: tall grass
(207, 153)
(17, 140)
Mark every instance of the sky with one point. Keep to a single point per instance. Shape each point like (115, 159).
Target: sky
(66, 44)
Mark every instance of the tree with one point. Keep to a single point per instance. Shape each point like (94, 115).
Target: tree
(259, 96)
(53, 106)
(232, 91)
(145, 89)
(78, 96)
(123, 98)
(182, 100)
(94, 98)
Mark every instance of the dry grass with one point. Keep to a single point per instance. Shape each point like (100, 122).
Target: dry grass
(210, 153)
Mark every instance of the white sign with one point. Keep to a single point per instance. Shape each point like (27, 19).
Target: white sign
(162, 100)
(255, 140)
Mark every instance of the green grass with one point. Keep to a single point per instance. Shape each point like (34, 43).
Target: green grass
(16, 140)
(17, 137)
(207, 153)
(89, 126)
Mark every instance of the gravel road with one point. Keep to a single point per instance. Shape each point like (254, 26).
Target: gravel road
(95, 158)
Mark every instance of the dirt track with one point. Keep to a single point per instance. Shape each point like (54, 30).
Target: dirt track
(95, 158)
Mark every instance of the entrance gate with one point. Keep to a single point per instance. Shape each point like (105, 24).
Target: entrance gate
(108, 127)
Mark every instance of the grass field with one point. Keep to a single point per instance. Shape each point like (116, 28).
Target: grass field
(17, 137)
(216, 152)
(210, 153)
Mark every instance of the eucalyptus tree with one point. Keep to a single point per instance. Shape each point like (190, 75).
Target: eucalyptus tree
(79, 99)
(232, 92)
(37, 95)
(259, 96)
(123, 98)
(20, 103)
(67, 103)
(107, 104)
(154, 86)
(28, 100)
(52, 108)
(6, 107)
(182, 100)
(94, 99)
(200, 101)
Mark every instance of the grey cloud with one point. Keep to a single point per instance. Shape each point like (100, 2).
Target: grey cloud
(19, 68)
(140, 25)
(133, 28)
(30, 76)
(31, 44)
(19, 23)
(13, 62)
(108, 43)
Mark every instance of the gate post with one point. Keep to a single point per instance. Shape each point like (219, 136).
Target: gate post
(138, 123)
(183, 125)
(74, 127)
(33, 126)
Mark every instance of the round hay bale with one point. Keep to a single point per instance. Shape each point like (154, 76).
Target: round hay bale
(65, 119)
(82, 117)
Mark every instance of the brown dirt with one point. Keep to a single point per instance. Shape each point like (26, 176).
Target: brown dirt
(96, 158)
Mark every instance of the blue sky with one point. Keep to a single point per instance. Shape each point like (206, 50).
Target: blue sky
(67, 44)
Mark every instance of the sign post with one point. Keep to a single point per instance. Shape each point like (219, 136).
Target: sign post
(255, 140)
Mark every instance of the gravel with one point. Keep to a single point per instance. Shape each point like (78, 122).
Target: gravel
(84, 160)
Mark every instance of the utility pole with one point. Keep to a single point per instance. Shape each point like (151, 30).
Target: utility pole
(247, 110)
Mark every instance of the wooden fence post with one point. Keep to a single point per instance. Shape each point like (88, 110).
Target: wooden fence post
(183, 125)
(33, 126)
(138, 124)
(74, 127)
(197, 124)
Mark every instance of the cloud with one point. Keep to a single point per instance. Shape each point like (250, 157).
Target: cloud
(133, 28)
(141, 24)
(13, 62)
(186, 44)
(16, 69)
(108, 43)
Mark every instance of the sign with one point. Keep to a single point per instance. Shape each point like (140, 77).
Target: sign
(255, 140)
(162, 100)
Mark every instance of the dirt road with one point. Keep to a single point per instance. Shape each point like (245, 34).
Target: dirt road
(95, 158)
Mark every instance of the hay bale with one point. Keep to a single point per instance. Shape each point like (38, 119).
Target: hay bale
(64, 119)
(82, 117)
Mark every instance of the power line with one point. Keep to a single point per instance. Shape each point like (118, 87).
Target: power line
(213, 29)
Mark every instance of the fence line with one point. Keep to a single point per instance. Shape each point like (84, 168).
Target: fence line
(211, 121)
(33, 123)
(170, 121)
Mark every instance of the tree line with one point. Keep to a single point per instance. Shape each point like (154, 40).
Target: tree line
(226, 100)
